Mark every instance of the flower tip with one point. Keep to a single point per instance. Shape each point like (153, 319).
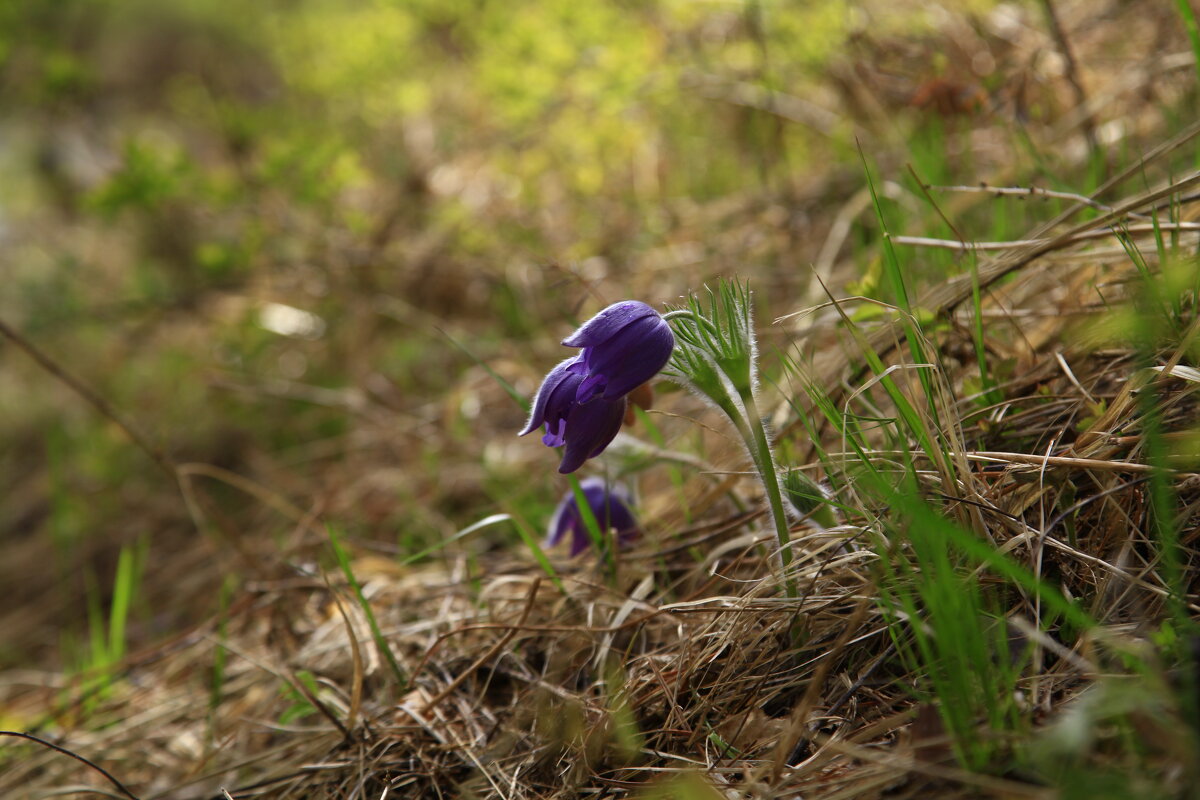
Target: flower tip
(531, 425)
(570, 463)
(608, 322)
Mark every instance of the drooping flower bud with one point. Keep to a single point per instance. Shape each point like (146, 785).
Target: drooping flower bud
(582, 400)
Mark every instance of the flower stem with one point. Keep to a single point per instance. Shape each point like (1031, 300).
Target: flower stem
(764, 460)
(699, 319)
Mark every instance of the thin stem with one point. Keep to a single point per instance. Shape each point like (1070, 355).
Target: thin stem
(56, 748)
(760, 449)
(699, 319)
(96, 401)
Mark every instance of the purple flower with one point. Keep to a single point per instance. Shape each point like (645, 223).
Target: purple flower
(582, 401)
(624, 346)
(585, 428)
(610, 507)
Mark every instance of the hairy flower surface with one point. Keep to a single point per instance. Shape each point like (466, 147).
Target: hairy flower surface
(624, 346)
(584, 428)
(610, 505)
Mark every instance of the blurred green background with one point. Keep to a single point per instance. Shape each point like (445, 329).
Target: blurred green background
(283, 239)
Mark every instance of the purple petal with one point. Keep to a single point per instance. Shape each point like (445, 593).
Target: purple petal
(628, 359)
(620, 518)
(612, 427)
(556, 433)
(552, 381)
(561, 522)
(610, 505)
(591, 386)
(580, 540)
(590, 429)
(608, 322)
(594, 489)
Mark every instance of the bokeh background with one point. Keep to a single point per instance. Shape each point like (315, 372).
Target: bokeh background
(299, 246)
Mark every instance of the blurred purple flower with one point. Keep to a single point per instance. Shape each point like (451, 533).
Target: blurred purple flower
(585, 429)
(610, 506)
(624, 346)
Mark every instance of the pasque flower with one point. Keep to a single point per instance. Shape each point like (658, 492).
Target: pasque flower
(582, 400)
(610, 506)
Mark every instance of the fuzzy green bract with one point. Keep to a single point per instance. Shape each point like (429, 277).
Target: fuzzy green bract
(717, 353)
(716, 356)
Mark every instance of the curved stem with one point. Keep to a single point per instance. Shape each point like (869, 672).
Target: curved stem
(699, 319)
(760, 449)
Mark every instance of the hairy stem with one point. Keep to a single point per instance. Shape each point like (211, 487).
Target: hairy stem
(760, 449)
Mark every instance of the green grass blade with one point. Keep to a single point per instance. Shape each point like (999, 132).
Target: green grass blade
(982, 553)
(376, 634)
(487, 521)
(517, 397)
(531, 541)
(220, 655)
(122, 600)
(598, 535)
(1192, 28)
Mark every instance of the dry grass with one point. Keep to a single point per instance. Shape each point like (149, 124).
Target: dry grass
(689, 661)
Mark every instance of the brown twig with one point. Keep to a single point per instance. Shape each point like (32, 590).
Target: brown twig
(1088, 121)
(1035, 460)
(93, 399)
(56, 748)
